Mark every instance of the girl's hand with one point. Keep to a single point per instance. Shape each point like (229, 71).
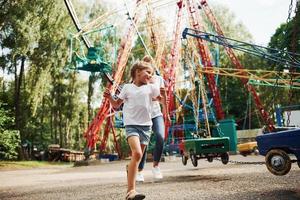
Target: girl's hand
(168, 118)
(107, 94)
(162, 91)
(158, 98)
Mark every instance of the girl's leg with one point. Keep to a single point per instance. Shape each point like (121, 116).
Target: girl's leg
(136, 155)
(158, 128)
(137, 150)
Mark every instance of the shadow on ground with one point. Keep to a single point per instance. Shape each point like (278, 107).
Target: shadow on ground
(190, 178)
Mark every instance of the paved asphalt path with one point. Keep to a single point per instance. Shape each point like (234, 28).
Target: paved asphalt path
(107, 181)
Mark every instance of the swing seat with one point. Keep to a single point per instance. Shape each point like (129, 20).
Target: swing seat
(207, 145)
(205, 148)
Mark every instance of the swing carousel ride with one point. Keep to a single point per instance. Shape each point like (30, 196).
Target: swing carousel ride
(189, 64)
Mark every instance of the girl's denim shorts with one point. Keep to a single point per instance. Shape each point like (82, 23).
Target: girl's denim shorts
(143, 132)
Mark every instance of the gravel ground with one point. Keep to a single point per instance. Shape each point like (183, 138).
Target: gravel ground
(108, 181)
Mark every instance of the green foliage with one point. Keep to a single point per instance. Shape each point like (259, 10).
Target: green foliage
(5, 119)
(9, 139)
(51, 100)
(286, 38)
(9, 143)
(29, 164)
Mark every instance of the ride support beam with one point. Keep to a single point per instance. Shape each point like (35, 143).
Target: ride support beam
(259, 76)
(264, 114)
(171, 75)
(205, 59)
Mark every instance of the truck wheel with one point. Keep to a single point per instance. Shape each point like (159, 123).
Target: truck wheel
(278, 162)
(210, 159)
(225, 158)
(194, 160)
(243, 154)
(184, 159)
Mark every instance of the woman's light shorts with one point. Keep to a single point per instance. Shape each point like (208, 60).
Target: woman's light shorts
(143, 132)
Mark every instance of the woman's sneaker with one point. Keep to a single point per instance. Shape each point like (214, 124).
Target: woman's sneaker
(156, 173)
(133, 195)
(139, 177)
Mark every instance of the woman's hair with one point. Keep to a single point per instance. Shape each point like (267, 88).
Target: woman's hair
(140, 65)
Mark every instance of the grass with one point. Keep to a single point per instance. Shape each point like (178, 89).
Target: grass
(11, 165)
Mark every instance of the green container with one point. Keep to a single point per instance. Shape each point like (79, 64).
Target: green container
(207, 145)
(228, 129)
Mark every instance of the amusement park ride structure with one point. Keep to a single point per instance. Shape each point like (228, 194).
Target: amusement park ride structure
(201, 37)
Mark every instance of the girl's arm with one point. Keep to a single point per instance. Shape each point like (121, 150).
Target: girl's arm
(163, 99)
(164, 102)
(114, 102)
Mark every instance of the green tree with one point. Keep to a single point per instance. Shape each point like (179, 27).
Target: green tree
(286, 38)
(47, 100)
(9, 139)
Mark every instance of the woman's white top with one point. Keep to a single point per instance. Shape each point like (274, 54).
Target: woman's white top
(156, 110)
(138, 103)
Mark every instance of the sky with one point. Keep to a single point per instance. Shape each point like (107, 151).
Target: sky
(261, 17)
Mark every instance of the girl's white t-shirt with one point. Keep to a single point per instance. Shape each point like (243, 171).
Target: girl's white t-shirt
(156, 110)
(137, 103)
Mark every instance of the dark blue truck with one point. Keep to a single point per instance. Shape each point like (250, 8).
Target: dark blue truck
(277, 148)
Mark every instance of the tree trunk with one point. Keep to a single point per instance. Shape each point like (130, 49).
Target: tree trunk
(51, 123)
(89, 99)
(55, 128)
(60, 118)
(54, 117)
(18, 83)
(3, 83)
(67, 133)
(42, 123)
(17, 97)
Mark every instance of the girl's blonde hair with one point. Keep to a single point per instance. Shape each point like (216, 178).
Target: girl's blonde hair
(147, 59)
(140, 65)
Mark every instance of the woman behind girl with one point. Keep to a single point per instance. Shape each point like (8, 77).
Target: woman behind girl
(137, 98)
